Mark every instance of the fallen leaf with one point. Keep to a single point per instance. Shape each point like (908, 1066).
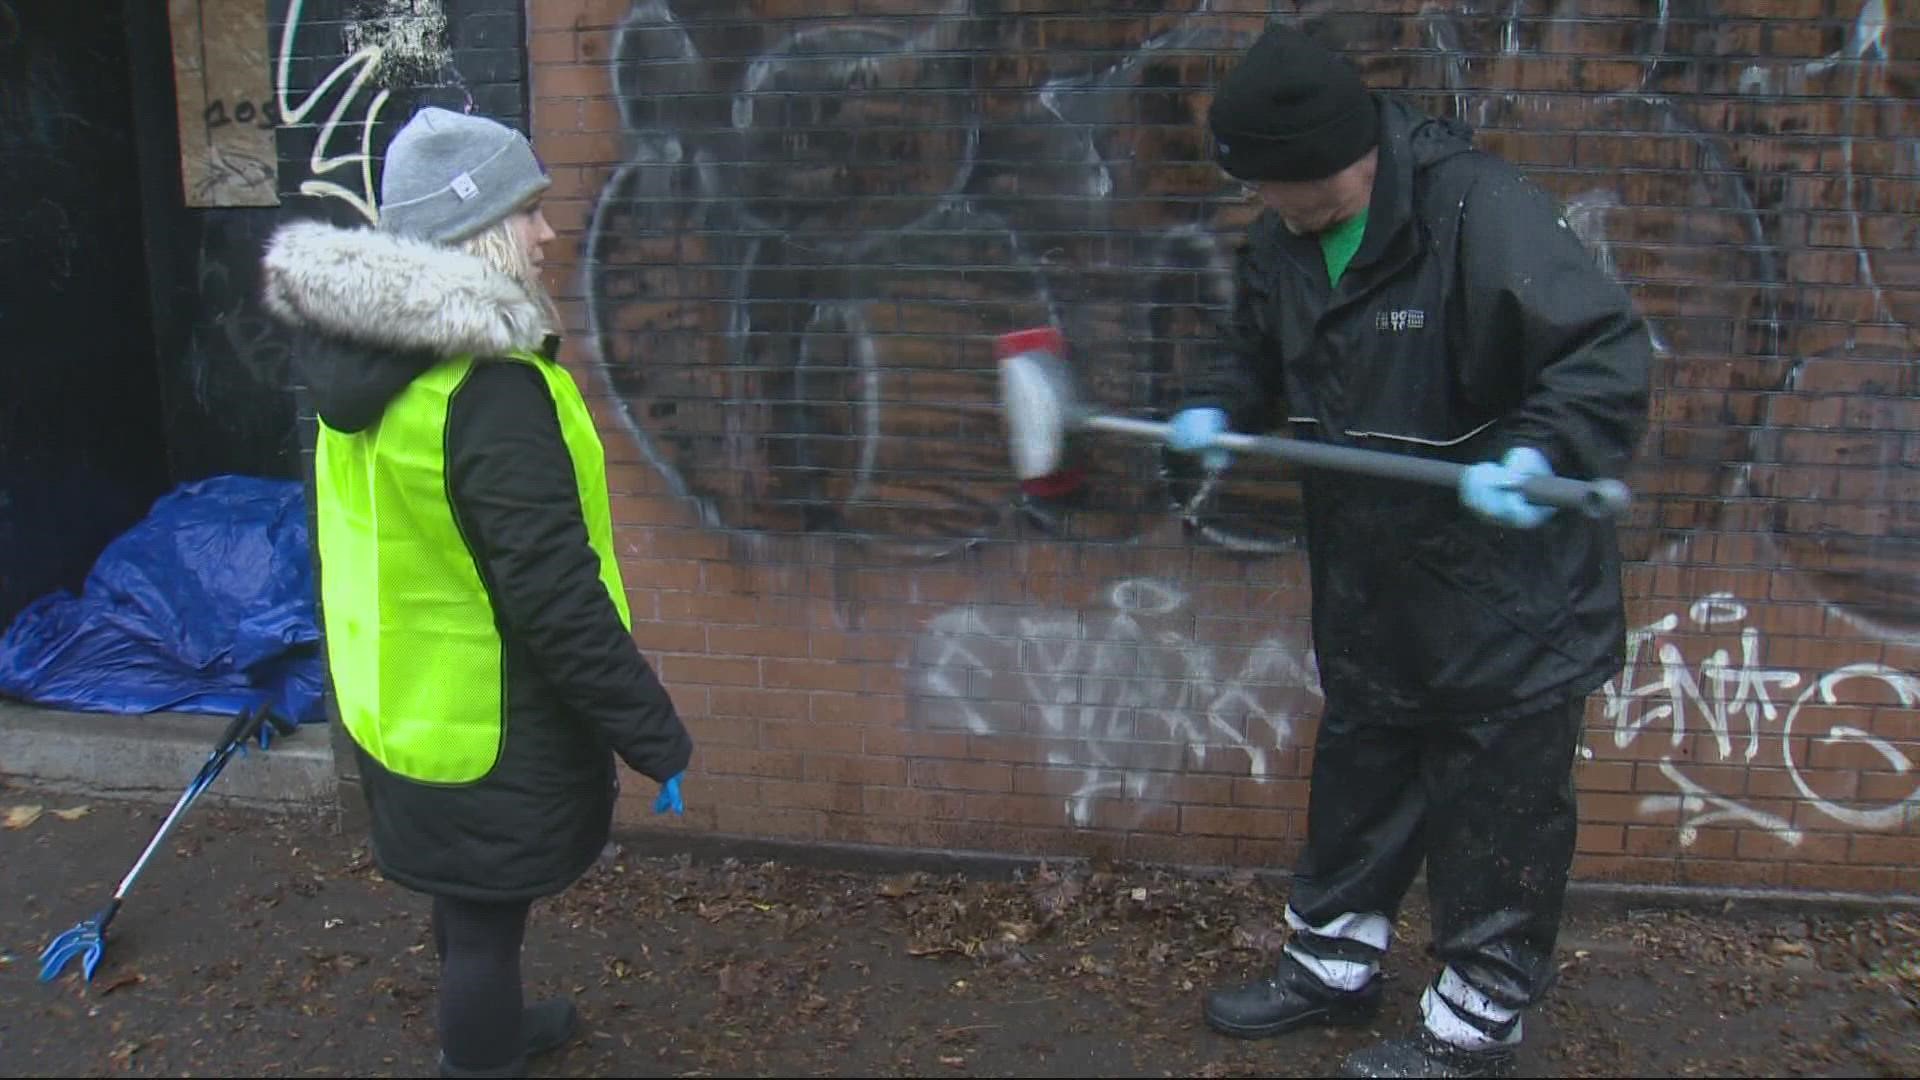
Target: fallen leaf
(122, 1055)
(953, 1061)
(73, 813)
(895, 888)
(19, 817)
(130, 979)
(1264, 939)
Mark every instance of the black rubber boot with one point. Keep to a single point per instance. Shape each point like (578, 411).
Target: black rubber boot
(1424, 1055)
(1290, 998)
(545, 1027)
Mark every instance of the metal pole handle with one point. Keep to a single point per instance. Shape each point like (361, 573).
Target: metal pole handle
(1595, 498)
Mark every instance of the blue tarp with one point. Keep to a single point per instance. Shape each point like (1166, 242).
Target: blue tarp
(205, 606)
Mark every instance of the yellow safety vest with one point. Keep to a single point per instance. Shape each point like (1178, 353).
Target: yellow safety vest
(412, 642)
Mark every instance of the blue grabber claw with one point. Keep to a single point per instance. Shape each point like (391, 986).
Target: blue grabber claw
(85, 940)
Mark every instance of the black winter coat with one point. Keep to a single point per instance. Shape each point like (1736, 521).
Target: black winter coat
(1471, 320)
(371, 312)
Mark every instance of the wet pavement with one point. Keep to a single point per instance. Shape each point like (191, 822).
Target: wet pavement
(269, 946)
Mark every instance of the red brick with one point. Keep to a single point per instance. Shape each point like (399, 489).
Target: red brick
(814, 675)
(1601, 839)
(653, 637)
(759, 641)
(912, 803)
(1610, 776)
(900, 832)
(811, 795)
(1137, 815)
(1051, 780)
(898, 742)
(687, 544)
(708, 670)
(1864, 879)
(721, 731)
(657, 573)
(1903, 851)
(1626, 868)
(854, 769)
(1288, 794)
(1233, 821)
(1723, 872)
(1180, 850)
(806, 735)
(749, 762)
(828, 707)
(767, 704)
(965, 775)
(1188, 788)
(762, 821)
(832, 645)
(698, 607)
(716, 790)
(1610, 807)
(1019, 809)
(551, 47)
(1280, 853)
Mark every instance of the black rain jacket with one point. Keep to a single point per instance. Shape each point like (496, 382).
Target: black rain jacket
(1471, 320)
(371, 312)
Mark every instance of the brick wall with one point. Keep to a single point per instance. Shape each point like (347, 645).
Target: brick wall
(792, 227)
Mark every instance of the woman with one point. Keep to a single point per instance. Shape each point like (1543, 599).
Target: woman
(477, 630)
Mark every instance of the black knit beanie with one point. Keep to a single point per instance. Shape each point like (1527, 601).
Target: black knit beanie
(1291, 109)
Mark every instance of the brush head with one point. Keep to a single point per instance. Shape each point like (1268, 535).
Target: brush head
(1036, 398)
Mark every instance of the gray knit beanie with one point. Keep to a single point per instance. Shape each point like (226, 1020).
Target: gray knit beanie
(449, 176)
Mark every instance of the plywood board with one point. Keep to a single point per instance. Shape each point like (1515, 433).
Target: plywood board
(223, 86)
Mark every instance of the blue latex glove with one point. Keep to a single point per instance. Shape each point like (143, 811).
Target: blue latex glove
(669, 798)
(1489, 489)
(1194, 429)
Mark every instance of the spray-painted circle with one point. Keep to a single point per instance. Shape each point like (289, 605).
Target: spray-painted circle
(847, 132)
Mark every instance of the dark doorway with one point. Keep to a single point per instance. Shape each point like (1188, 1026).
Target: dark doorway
(82, 442)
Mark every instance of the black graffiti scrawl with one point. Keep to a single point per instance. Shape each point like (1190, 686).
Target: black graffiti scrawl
(796, 279)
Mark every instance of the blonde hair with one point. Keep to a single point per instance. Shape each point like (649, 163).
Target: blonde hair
(498, 245)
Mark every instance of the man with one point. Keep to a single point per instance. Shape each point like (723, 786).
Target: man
(1406, 291)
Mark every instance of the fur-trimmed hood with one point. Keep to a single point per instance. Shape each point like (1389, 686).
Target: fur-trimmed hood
(395, 292)
(373, 310)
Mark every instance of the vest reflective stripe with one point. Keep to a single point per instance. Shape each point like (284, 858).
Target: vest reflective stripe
(412, 644)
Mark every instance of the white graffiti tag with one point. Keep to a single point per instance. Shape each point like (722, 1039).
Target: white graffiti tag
(1124, 697)
(410, 37)
(1736, 704)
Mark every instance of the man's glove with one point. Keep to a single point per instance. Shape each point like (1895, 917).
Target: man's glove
(1194, 429)
(1491, 489)
(669, 798)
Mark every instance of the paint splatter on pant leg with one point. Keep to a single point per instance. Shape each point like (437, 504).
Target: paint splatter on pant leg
(1501, 838)
(1365, 839)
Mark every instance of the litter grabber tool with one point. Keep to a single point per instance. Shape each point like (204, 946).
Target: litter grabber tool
(1041, 409)
(87, 939)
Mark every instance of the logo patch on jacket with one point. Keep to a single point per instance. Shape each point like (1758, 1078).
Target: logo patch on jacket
(1399, 321)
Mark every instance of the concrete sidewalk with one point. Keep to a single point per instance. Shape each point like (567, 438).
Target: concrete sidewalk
(262, 943)
(150, 758)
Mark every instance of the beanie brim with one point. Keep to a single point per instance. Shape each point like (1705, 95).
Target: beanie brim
(1255, 156)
